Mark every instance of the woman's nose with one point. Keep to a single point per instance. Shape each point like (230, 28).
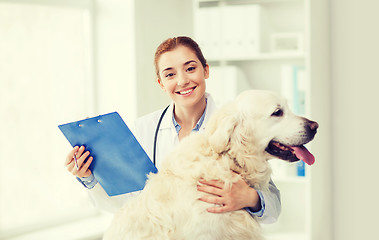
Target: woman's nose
(182, 80)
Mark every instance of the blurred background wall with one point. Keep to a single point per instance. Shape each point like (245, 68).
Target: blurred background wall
(354, 83)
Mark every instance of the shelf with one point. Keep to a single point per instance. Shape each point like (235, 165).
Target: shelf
(289, 179)
(264, 57)
(247, 1)
(268, 42)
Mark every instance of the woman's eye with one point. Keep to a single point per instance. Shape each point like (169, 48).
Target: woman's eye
(190, 69)
(169, 75)
(277, 113)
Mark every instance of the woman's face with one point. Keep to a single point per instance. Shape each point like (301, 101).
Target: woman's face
(182, 76)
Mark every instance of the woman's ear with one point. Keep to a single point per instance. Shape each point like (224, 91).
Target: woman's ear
(206, 72)
(161, 84)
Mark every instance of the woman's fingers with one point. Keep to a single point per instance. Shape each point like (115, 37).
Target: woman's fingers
(80, 152)
(86, 165)
(81, 158)
(221, 204)
(70, 155)
(80, 166)
(210, 189)
(214, 183)
(84, 170)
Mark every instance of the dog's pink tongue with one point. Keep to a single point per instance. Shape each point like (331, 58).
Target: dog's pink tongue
(302, 153)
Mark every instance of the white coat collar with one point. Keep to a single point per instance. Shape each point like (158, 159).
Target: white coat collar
(167, 119)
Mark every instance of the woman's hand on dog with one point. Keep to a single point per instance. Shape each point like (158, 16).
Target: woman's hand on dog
(239, 196)
(83, 160)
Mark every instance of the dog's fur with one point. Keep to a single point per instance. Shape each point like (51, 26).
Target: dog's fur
(235, 139)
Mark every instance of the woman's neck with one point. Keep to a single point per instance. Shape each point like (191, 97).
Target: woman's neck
(187, 117)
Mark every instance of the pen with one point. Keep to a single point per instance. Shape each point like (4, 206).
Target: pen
(76, 162)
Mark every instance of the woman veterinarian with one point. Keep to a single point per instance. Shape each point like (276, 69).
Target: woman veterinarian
(181, 72)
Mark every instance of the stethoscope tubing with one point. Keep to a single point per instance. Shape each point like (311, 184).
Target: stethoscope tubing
(156, 134)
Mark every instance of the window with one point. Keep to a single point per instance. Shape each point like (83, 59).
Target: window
(45, 80)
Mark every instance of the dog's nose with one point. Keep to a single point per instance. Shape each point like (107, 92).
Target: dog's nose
(313, 125)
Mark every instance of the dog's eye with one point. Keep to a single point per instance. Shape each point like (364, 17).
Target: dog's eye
(278, 113)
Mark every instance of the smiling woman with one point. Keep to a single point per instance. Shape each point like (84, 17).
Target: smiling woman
(44, 70)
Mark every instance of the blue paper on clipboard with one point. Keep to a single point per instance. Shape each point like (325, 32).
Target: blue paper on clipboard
(119, 163)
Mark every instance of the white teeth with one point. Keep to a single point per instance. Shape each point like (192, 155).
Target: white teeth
(185, 92)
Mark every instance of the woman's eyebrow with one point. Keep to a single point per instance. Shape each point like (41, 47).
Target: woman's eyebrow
(167, 69)
(188, 62)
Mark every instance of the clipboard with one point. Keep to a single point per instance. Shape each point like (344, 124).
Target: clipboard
(119, 163)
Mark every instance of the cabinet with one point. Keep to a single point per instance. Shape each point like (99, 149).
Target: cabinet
(276, 45)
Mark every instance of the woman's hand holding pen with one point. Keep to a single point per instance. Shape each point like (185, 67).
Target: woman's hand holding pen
(76, 162)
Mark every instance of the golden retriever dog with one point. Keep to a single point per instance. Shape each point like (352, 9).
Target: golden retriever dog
(240, 137)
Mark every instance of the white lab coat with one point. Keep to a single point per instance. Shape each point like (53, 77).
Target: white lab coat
(144, 131)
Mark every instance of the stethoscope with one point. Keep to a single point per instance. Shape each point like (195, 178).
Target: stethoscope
(156, 133)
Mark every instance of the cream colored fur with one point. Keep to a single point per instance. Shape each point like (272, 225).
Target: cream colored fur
(235, 139)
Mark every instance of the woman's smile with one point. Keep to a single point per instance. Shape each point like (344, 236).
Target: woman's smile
(186, 92)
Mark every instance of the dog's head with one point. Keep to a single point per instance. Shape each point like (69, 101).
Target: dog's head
(261, 121)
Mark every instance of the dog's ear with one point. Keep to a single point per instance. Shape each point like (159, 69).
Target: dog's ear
(221, 128)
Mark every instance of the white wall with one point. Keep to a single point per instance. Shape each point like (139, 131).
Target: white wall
(115, 57)
(355, 84)
(320, 101)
